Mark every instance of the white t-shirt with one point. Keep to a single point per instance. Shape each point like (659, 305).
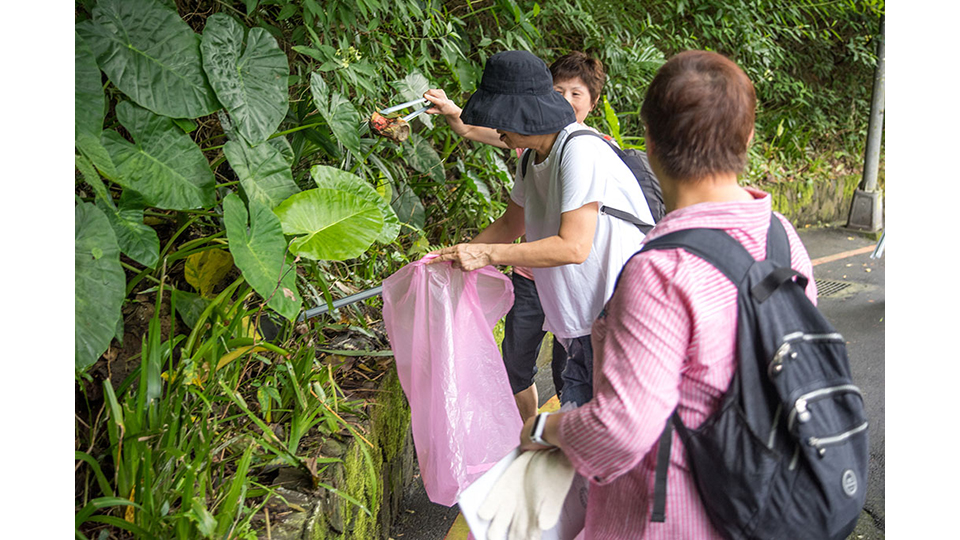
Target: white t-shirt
(572, 295)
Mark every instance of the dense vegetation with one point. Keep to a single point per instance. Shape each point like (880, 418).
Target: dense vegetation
(227, 181)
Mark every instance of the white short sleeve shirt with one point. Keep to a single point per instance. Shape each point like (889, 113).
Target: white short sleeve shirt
(572, 295)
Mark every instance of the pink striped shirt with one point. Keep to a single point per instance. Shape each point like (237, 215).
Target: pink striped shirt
(667, 339)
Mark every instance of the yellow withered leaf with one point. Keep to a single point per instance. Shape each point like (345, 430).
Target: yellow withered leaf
(205, 269)
(236, 353)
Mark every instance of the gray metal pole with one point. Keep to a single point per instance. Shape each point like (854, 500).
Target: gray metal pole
(871, 156)
(866, 209)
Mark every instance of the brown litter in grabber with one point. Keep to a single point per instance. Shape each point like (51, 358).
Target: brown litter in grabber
(396, 128)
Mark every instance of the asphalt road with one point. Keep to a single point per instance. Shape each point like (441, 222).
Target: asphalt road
(852, 297)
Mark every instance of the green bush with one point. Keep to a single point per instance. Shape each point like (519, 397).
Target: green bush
(226, 173)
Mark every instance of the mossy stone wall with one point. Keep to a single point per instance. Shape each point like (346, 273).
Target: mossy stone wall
(373, 474)
(811, 203)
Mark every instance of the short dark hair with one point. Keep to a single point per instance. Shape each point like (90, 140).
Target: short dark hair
(699, 111)
(578, 64)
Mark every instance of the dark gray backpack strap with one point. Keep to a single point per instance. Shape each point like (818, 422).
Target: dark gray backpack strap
(778, 244)
(712, 245)
(627, 216)
(734, 261)
(619, 214)
(523, 162)
(659, 513)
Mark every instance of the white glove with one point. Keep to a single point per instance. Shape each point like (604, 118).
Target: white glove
(548, 480)
(528, 497)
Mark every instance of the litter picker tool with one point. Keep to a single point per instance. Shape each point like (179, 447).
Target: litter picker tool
(396, 128)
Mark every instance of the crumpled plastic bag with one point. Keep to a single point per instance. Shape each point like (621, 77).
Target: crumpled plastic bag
(440, 324)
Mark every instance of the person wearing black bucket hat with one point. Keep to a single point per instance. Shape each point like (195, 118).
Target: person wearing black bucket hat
(516, 94)
(579, 78)
(575, 251)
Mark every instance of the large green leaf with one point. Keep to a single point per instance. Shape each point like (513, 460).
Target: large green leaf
(408, 207)
(340, 114)
(88, 107)
(421, 155)
(264, 171)
(165, 165)
(88, 100)
(99, 284)
(259, 251)
(92, 148)
(250, 82)
(330, 224)
(135, 238)
(330, 177)
(151, 55)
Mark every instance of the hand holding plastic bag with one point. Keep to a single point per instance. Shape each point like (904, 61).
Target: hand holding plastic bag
(529, 496)
(440, 324)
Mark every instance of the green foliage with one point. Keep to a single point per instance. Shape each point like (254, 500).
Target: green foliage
(241, 133)
(259, 250)
(151, 55)
(99, 284)
(251, 81)
(163, 164)
(264, 171)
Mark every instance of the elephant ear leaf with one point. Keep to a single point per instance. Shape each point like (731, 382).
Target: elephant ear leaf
(136, 239)
(411, 87)
(165, 165)
(423, 158)
(88, 105)
(206, 269)
(88, 102)
(408, 207)
(151, 55)
(99, 284)
(330, 223)
(259, 250)
(338, 112)
(329, 177)
(264, 171)
(250, 82)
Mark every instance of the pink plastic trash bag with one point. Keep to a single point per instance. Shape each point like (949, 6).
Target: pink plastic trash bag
(440, 323)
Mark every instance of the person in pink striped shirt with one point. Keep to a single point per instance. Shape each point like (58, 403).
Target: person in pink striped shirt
(666, 338)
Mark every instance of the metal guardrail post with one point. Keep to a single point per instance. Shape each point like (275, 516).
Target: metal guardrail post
(337, 304)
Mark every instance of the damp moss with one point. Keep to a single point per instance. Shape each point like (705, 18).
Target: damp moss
(362, 481)
(360, 475)
(391, 418)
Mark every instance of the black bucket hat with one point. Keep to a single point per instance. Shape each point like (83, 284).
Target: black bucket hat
(516, 94)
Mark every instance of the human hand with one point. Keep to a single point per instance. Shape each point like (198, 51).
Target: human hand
(441, 103)
(466, 257)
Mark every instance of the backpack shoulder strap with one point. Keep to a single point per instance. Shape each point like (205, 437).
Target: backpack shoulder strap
(590, 132)
(728, 256)
(778, 244)
(620, 214)
(712, 245)
(523, 162)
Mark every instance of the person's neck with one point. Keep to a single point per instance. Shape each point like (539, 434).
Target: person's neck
(717, 188)
(543, 144)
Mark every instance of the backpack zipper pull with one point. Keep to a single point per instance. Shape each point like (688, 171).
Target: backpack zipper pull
(776, 365)
(815, 442)
(803, 415)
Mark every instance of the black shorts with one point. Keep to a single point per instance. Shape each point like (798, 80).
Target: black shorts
(522, 335)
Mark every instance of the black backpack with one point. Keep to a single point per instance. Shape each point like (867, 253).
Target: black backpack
(786, 454)
(639, 165)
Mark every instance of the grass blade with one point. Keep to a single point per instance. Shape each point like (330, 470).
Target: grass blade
(105, 486)
(229, 512)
